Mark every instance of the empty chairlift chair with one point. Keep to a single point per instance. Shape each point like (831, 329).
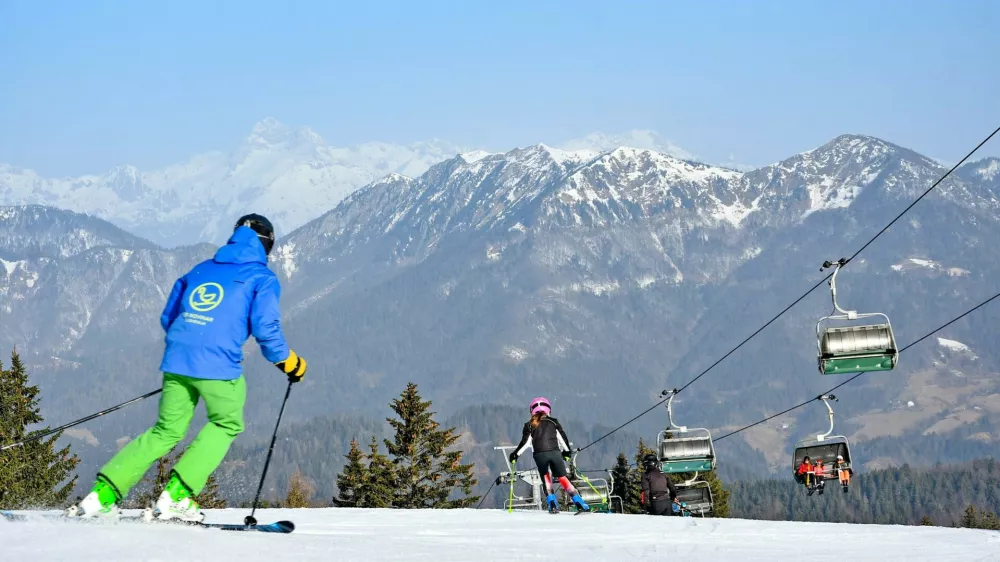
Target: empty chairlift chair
(695, 496)
(824, 447)
(512, 501)
(853, 348)
(683, 449)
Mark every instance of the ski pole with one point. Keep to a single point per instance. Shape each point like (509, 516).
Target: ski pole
(513, 471)
(249, 521)
(81, 420)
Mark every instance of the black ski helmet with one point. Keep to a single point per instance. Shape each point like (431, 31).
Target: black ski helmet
(260, 225)
(650, 461)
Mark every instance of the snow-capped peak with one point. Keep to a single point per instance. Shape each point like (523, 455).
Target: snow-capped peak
(474, 156)
(561, 156)
(637, 138)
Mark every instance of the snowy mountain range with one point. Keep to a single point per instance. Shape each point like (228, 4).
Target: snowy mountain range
(593, 276)
(291, 172)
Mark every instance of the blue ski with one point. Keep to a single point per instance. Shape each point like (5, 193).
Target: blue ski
(282, 527)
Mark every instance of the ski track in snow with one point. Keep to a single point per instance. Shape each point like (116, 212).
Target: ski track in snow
(460, 535)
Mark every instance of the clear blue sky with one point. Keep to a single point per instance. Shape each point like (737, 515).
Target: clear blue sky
(85, 85)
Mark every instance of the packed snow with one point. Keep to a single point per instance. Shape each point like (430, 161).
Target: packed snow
(913, 263)
(9, 266)
(952, 344)
(460, 535)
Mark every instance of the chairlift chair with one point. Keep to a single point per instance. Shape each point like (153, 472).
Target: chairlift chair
(696, 496)
(823, 447)
(683, 449)
(595, 492)
(853, 348)
(535, 500)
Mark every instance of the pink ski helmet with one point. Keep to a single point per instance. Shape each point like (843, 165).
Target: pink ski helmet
(540, 405)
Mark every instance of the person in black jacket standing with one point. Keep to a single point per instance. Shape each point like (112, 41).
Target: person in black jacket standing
(658, 492)
(551, 450)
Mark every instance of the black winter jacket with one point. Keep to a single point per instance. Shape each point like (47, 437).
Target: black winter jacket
(548, 436)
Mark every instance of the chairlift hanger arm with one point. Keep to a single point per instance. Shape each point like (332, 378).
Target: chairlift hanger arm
(851, 314)
(825, 398)
(670, 410)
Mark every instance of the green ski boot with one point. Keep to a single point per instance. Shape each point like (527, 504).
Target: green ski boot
(177, 502)
(102, 501)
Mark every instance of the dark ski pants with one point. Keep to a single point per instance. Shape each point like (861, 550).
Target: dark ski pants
(661, 507)
(552, 460)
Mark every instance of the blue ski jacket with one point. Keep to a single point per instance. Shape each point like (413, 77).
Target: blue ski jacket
(214, 308)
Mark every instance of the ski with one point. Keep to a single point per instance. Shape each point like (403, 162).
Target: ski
(281, 527)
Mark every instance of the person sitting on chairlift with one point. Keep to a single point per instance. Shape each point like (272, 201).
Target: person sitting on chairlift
(804, 473)
(819, 476)
(844, 472)
(659, 496)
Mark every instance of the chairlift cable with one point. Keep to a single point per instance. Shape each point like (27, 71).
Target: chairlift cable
(915, 342)
(804, 295)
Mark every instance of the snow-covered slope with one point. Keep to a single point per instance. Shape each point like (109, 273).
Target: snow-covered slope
(461, 535)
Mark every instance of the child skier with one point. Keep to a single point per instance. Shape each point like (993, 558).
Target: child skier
(211, 312)
(550, 449)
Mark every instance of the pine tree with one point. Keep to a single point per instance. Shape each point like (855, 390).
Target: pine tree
(379, 485)
(34, 474)
(351, 478)
(621, 476)
(971, 518)
(211, 496)
(635, 479)
(148, 490)
(720, 495)
(990, 521)
(427, 472)
(300, 491)
(926, 521)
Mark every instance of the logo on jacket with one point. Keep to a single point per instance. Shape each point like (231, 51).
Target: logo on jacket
(206, 296)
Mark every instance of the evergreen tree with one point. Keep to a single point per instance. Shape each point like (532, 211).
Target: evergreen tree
(926, 521)
(990, 521)
(34, 474)
(971, 518)
(300, 491)
(379, 485)
(621, 475)
(211, 497)
(148, 490)
(351, 478)
(634, 504)
(426, 471)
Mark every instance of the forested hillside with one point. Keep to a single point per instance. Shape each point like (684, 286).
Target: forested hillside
(903, 496)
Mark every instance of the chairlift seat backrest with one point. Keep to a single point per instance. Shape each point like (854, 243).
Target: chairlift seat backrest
(698, 497)
(826, 451)
(850, 340)
(687, 454)
(852, 349)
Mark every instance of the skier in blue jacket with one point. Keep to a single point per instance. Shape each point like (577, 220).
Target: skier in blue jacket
(210, 313)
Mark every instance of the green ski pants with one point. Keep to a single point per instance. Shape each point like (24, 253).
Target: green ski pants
(224, 405)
